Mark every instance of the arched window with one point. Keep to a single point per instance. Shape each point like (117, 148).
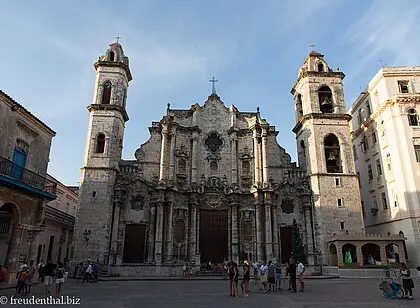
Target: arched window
(413, 117)
(325, 99)
(332, 154)
(111, 56)
(100, 143)
(182, 166)
(320, 67)
(106, 94)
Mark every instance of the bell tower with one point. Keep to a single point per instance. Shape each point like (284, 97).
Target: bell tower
(102, 155)
(325, 150)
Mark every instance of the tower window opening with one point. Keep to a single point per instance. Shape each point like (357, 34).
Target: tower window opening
(100, 143)
(106, 95)
(403, 86)
(342, 225)
(320, 67)
(332, 154)
(111, 56)
(413, 117)
(325, 99)
(299, 109)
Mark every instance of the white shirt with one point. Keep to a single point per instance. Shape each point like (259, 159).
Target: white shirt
(263, 269)
(89, 269)
(300, 269)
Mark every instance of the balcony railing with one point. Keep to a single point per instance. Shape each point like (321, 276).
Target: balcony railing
(22, 175)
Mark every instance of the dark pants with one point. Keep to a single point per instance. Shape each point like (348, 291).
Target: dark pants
(293, 281)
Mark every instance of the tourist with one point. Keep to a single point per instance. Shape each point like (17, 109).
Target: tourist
(88, 272)
(41, 275)
(408, 284)
(235, 279)
(30, 275)
(300, 271)
(2, 273)
(59, 281)
(278, 276)
(186, 269)
(225, 269)
(22, 279)
(263, 276)
(66, 269)
(80, 272)
(271, 276)
(245, 279)
(287, 276)
(49, 273)
(231, 277)
(292, 273)
(255, 266)
(96, 271)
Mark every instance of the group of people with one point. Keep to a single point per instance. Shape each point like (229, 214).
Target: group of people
(268, 274)
(86, 271)
(45, 273)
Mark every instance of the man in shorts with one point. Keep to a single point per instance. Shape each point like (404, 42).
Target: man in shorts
(271, 276)
(49, 272)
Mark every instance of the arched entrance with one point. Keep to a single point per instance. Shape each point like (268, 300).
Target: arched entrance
(349, 254)
(6, 229)
(333, 255)
(392, 253)
(371, 254)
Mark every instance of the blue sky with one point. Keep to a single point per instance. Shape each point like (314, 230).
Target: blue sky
(254, 49)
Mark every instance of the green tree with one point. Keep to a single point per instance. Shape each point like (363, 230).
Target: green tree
(297, 245)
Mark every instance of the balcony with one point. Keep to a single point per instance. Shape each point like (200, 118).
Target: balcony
(18, 177)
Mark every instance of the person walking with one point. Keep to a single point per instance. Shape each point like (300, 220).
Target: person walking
(49, 272)
(66, 270)
(22, 275)
(186, 269)
(271, 276)
(231, 277)
(30, 275)
(263, 277)
(59, 279)
(235, 279)
(300, 271)
(88, 272)
(96, 271)
(41, 266)
(292, 273)
(245, 279)
(407, 281)
(278, 276)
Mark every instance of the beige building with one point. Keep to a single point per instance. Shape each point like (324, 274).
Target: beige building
(213, 183)
(25, 144)
(386, 146)
(56, 240)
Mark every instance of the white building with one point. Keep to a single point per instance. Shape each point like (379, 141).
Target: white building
(386, 146)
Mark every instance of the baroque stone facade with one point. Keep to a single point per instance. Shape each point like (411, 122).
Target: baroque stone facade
(212, 183)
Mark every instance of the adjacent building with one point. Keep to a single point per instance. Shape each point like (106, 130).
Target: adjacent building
(25, 143)
(56, 241)
(386, 147)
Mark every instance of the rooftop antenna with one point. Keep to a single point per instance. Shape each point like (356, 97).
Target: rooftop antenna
(312, 46)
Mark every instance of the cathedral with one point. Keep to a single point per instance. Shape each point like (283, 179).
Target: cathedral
(212, 183)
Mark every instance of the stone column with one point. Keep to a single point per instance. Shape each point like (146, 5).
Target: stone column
(264, 158)
(197, 239)
(169, 239)
(159, 233)
(268, 232)
(382, 250)
(259, 227)
(152, 234)
(234, 160)
(235, 231)
(116, 223)
(230, 233)
(13, 252)
(172, 159)
(257, 170)
(33, 249)
(194, 158)
(275, 233)
(162, 173)
(359, 255)
(193, 232)
(339, 254)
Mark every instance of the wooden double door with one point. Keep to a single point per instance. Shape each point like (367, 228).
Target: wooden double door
(213, 235)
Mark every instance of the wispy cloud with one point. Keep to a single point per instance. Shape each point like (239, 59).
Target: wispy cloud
(387, 31)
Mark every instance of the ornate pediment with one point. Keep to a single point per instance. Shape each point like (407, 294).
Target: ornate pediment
(182, 152)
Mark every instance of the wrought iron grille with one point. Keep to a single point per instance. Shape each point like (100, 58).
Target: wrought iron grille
(18, 173)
